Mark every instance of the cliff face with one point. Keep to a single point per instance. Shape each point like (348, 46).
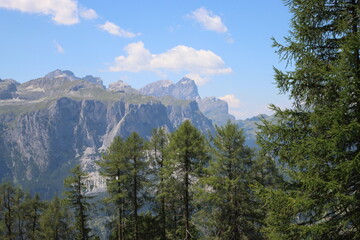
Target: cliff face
(43, 135)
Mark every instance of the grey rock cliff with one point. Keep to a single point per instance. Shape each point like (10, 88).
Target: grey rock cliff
(215, 109)
(60, 120)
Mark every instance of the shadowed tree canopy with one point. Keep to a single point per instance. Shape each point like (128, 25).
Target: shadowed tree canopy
(318, 140)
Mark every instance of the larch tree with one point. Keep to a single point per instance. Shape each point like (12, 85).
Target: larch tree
(124, 167)
(317, 141)
(137, 175)
(229, 209)
(185, 163)
(114, 167)
(55, 222)
(78, 200)
(156, 147)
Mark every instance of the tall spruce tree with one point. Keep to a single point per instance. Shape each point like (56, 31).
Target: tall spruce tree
(77, 200)
(7, 211)
(124, 167)
(137, 175)
(186, 159)
(156, 147)
(55, 222)
(318, 140)
(229, 210)
(114, 167)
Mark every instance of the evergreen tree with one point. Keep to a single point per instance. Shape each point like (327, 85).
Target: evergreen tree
(19, 213)
(114, 167)
(55, 221)
(186, 159)
(157, 146)
(124, 166)
(77, 200)
(35, 208)
(229, 209)
(7, 211)
(318, 140)
(137, 169)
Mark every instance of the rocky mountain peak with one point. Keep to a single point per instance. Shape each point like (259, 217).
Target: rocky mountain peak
(92, 79)
(61, 74)
(121, 86)
(185, 89)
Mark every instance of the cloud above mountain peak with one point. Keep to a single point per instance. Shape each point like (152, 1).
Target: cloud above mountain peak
(192, 62)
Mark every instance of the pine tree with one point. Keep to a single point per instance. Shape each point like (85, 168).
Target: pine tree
(137, 169)
(35, 208)
(114, 167)
(318, 140)
(124, 167)
(55, 221)
(186, 159)
(157, 146)
(230, 210)
(77, 200)
(7, 211)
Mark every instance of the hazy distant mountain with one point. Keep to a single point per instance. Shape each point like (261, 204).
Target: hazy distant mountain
(250, 127)
(49, 124)
(212, 107)
(185, 89)
(8, 89)
(215, 109)
(121, 87)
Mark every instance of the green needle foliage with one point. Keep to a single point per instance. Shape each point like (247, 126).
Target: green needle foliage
(114, 167)
(137, 169)
(76, 198)
(317, 142)
(124, 167)
(55, 221)
(157, 150)
(187, 155)
(228, 209)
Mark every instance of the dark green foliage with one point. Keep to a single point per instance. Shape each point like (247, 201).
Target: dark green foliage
(187, 155)
(124, 167)
(55, 221)
(19, 213)
(318, 141)
(114, 168)
(157, 150)
(228, 209)
(77, 200)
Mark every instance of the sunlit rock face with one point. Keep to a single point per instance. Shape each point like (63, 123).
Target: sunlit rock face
(50, 124)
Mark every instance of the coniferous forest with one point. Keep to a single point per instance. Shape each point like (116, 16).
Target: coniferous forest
(302, 182)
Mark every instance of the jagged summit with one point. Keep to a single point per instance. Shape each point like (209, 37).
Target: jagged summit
(61, 74)
(121, 86)
(185, 89)
(58, 78)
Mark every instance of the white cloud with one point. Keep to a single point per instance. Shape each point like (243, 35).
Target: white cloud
(199, 80)
(61, 11)
(242, 110)
(88, 13)
(232, 101)
(58, 47)
(114, 29)
(208, 20)
(198, 63)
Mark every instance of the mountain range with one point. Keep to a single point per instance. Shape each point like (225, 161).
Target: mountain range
(49, 124)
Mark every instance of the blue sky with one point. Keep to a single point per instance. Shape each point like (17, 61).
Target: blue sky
(225, 46)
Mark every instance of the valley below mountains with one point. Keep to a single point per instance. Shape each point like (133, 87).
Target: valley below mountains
(50, 124)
